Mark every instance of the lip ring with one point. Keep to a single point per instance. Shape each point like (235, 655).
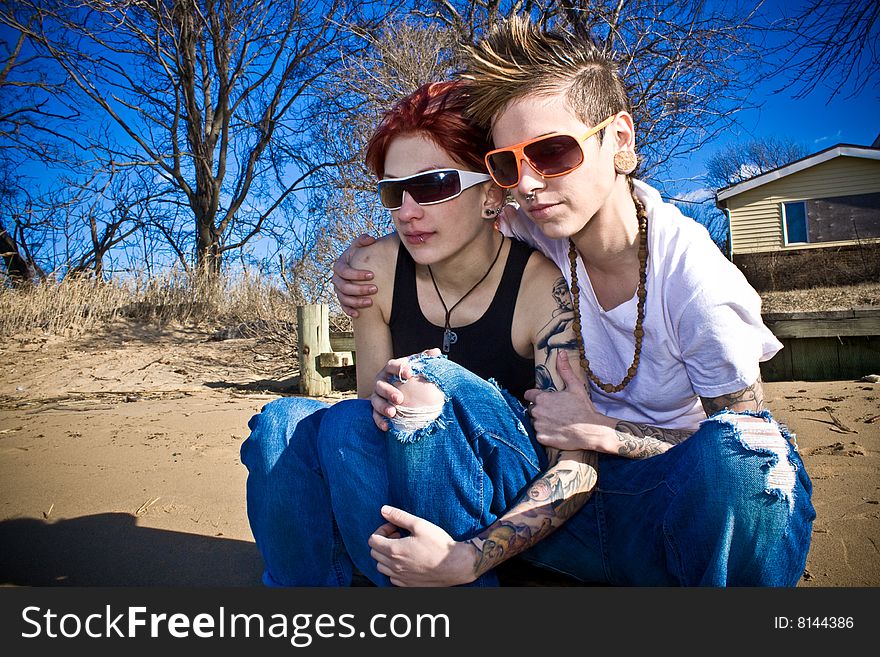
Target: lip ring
(417, 238)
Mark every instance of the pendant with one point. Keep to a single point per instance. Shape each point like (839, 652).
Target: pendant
(449, 339)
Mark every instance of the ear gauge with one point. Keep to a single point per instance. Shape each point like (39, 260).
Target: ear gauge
(492, 213)
(625, 162)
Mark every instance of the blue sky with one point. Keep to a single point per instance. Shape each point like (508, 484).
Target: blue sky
(814, 122)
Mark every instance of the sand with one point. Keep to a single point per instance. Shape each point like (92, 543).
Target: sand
(119, 461)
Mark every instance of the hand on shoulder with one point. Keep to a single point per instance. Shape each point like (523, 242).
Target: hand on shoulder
(351, 279)
(373, 257)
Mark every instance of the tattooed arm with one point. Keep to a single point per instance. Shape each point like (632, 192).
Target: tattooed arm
(639, 441)
(549, 501)
(555, 495)
(750, 398)
(428, 556)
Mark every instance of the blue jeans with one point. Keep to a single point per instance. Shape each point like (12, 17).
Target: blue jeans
(318, 475)
(728, 506)
(290, 502)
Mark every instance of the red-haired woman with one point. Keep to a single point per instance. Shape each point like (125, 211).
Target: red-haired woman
(460, 450)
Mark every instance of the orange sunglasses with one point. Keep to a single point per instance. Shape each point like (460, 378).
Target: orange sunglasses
(550, 155)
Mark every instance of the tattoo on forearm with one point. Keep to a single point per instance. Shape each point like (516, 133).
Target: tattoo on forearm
(641, 441)
(548, 502)
(750, 398)
(555, 334)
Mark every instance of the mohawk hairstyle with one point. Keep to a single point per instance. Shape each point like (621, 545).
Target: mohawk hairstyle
(516, 59)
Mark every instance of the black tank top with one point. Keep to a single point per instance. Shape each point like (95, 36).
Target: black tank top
(485, 346)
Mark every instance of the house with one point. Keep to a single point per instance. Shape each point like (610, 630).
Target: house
(815, 221)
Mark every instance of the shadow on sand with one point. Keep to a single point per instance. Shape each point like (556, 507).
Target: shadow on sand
(110, 549)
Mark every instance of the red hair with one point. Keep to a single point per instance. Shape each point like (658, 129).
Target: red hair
(437, 111)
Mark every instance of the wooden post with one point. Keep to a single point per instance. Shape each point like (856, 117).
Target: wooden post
(313, 326)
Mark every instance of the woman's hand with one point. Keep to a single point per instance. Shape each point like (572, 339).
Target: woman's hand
(385, 395)
(427, 556)
(346, 280)
(566, 419)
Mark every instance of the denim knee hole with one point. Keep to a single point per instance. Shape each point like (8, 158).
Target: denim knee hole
(761, 435)
(419, 413)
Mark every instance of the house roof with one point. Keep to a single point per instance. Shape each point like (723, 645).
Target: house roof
(849, 150)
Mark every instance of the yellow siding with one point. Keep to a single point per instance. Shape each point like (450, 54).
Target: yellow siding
(756, 214)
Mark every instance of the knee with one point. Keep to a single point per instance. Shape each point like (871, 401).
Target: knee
(750, 457)
(346, 424)
(349, 415)
(272, 428)
(422, 404)
(265, 443)
(281, 416)
(450, 378)
(418, 392)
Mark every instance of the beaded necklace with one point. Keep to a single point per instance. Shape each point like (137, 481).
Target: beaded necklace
(638, 332)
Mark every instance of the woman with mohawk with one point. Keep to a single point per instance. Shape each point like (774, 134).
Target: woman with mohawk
(698, 485)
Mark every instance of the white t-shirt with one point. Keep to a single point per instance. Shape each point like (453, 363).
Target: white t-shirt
(704, 335)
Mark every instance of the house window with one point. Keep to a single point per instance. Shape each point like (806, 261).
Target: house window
(794, 221)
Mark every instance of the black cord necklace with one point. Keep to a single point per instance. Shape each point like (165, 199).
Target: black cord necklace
(450, 337)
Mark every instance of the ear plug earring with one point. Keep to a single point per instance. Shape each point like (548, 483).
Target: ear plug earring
(625, 162)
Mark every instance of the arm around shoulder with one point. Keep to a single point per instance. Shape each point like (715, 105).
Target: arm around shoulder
(352, 285)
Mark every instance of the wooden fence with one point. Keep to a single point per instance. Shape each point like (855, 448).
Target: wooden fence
(819, 346)
(319, 352)
(824, 346)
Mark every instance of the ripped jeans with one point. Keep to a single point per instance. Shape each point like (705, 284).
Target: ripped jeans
(318, 474)
(729, 506)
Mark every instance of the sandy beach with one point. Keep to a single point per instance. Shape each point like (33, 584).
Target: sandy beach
(119, 461)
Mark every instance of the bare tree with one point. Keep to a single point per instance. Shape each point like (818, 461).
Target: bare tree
(831, 44)
(24, 231)
(249, 117)
(741, 161)
(681, 59)
(32, 115)
(207, 95)
(31, 120)
(19, 266)
(109, 211)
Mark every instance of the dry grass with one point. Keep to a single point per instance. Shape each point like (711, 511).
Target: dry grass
(253, 306)
(846, 297)
(75, 306)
